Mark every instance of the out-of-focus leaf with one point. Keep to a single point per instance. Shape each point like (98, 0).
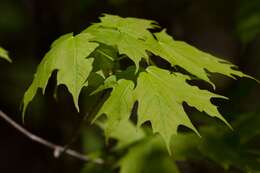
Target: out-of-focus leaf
(248, 20)
(126, 133)
(218, 145)
(4, 54)
(148, 156)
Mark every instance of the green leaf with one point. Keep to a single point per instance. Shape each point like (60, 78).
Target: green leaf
(125, 33)
(220, 146)
(190, 58)
(118, 106)
(247, 125)
(135, 27)
(110, 82)
(185, 147)
(160, 96)
(248, 20)
(68, 55)
(126, 134)
(147, 157)
(104, 59)
(4, 54)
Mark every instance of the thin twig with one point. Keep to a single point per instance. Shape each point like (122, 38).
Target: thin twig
(57, 149)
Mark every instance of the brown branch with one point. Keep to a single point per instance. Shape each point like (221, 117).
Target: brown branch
(57, 149)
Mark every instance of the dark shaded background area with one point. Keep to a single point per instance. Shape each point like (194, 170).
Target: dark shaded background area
(28, 27)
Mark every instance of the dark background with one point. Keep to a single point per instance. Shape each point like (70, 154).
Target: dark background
(224, 28)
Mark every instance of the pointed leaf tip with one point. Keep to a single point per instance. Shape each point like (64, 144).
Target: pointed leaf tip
(68, 55)
(4, 55)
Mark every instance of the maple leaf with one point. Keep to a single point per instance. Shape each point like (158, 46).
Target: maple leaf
(147, 156)
(190, 58)
(4, 54)
(141, 149)
(68, 55)
(118, 106)
(127, 34)
(135, 27)
(160, 96)
(127, 137)
(220, 145)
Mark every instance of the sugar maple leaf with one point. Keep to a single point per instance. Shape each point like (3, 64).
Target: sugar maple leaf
(140, 158)
(118, 106)
(190, 58)
(126, 137)
(126, 34)
(135, 27)
(68, 55)
(160, 96)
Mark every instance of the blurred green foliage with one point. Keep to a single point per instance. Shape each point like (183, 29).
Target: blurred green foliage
(248, 20)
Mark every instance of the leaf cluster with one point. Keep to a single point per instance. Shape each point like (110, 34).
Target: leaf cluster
(119, 57)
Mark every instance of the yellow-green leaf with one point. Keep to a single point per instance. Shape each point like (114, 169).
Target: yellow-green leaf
(127, 34)
(4, 54)
(68, 55)
(118, 106)
(190, 58)
(147, 157)
(160, 96)
(126, 134)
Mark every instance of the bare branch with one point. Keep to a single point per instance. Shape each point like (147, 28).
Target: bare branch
(57, 149)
